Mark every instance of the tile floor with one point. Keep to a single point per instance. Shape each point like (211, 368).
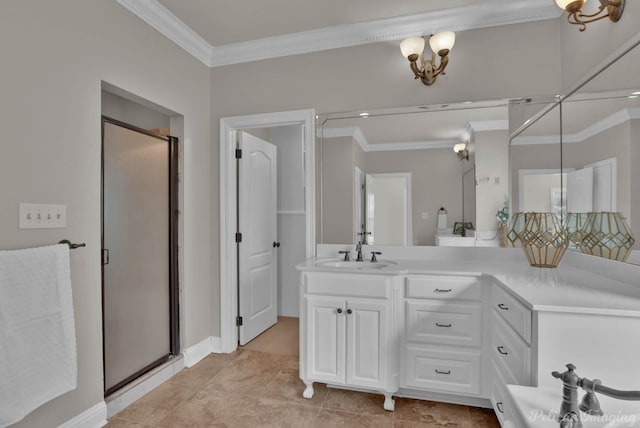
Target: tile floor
(258, 386)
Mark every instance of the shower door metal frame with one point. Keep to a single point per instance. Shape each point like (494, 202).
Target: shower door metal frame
(174, 289)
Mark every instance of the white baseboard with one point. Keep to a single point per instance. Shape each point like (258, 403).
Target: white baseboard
(193, 354)
(216, 344)
(93, 417)
(120, 400)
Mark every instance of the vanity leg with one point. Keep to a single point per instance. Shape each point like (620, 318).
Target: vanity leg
(308, 391)
(389, 402)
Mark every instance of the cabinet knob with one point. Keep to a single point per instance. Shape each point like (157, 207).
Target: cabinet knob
(339, 310)
(349, 311)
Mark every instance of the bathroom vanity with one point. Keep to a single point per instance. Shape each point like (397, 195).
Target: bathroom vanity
(421, 324)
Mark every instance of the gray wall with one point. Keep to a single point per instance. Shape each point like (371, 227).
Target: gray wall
(337, 190)
(582, 51)
(55, 55)
(122, 109)
(436, 181)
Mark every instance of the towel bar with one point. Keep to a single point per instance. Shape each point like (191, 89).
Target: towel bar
(71, 245)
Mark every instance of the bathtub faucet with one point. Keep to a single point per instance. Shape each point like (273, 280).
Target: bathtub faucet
(569, 416)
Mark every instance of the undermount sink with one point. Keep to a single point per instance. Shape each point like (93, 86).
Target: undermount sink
(356, 265)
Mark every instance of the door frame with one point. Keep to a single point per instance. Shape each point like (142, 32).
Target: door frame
(228, 211)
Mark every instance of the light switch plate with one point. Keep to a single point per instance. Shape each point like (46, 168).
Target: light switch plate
(42, 216)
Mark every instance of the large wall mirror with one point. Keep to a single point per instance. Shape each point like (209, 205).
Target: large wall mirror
(578, 158)
(601, 157)
(385, 174)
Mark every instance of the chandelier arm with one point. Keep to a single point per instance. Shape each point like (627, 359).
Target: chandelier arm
(600, 9)
(419, 74)
(583, 23)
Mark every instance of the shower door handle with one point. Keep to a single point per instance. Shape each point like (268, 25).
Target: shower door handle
(105, 256)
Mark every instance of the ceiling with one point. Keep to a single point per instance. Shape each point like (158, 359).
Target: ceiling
(218, 32)
(227, 32)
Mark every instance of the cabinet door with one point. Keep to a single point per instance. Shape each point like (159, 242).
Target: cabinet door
(326, 318)
(367, 342)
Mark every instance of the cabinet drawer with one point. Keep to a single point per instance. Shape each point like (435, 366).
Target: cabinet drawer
(512, 311)
(346, 284)
(498, 392)
(443, 370)
(432, 321)
(510, 353)
(444, 287)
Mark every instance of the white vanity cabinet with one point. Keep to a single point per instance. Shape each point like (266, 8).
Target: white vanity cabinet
(443, 339)
(348, 333)
(511, 353)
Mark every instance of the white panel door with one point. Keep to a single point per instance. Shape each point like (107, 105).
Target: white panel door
(605, 184)
(580, 191)
(258, 293)
(366, 323)
(326, 317)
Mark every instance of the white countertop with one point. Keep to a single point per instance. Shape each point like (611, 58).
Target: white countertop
(563, 289)
(538, 408)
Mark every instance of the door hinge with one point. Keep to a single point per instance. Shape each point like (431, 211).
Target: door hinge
(238, 321)
(105, 256)
(238, 153)
(238, 237)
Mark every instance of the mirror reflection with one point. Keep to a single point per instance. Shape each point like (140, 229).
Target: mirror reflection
(385, 175)
(577, 159)
(601, 151)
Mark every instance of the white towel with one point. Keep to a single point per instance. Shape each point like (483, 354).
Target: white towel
(37, 330)
(442, 219)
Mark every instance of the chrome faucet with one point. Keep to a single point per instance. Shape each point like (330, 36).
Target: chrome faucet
(359, 252)
(569, 416)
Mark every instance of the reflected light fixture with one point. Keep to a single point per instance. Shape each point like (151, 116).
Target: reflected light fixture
(462, 150)
(413, 49)
(614, 9)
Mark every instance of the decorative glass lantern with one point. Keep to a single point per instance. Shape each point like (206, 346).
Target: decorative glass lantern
(606, 234)
(517, 226)
(575, 226)
(543, 239)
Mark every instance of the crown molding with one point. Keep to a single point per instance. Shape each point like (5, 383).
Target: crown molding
(596, 128)
(491, 13)
(356, 133)
(160, 18)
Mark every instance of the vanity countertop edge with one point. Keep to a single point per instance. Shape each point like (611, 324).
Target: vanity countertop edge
(563, 289)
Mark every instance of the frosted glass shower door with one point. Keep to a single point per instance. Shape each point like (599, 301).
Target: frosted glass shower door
(136, 255)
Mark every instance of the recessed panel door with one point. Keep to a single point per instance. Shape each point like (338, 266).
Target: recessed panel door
(258, 292)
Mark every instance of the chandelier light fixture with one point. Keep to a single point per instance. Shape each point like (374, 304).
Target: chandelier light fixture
(413, 49)
(613, 8)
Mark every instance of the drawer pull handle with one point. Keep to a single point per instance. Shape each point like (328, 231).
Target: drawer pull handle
(437, 290)
(499, 406)
(443, 325)
(502, 351)
(448, 372)
(339, 310)
(503, 307)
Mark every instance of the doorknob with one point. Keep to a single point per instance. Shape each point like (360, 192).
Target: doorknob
(276, 244)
